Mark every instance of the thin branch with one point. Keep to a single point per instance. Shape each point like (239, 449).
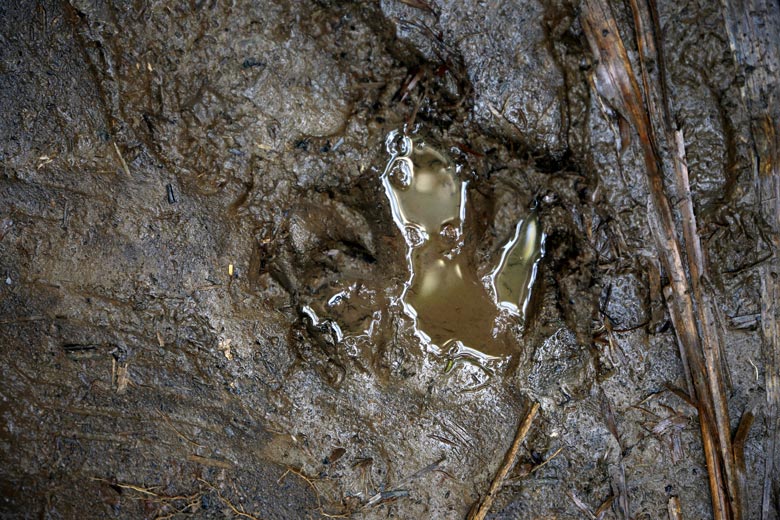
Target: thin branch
(483, 507)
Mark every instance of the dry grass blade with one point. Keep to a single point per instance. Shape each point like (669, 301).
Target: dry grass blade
(419, 4)
(752, 27)
(603, 509)
(671, 423)
(709, 328)
(132, 487)
(739, 450)
(122, 161)
(481, 509)
(547, 460)
(770, 325)
(582, 506)
(168, 506)
(674, 508)
(302, 476)
(693, 319)
(386, 496)
(622, 488)
(177, 432)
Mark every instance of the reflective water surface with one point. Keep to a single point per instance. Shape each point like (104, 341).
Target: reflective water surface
(455, 311)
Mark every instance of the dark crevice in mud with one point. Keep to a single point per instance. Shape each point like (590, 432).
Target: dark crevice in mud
(560, 163)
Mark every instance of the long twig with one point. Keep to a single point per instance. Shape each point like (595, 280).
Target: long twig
(483, 507)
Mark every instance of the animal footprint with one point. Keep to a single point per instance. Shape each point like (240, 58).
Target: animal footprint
(454, 310)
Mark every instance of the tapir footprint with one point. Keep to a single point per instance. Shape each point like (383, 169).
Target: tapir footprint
(454, 309)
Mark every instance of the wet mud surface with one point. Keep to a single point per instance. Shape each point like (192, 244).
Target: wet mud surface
(202, 300)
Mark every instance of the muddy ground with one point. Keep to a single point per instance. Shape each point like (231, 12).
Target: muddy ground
(180, 178)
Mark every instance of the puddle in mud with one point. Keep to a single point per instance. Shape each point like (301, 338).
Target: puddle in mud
(455, 311)
(512, 281)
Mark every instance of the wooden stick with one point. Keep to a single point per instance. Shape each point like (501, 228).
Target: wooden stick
(481, 510)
